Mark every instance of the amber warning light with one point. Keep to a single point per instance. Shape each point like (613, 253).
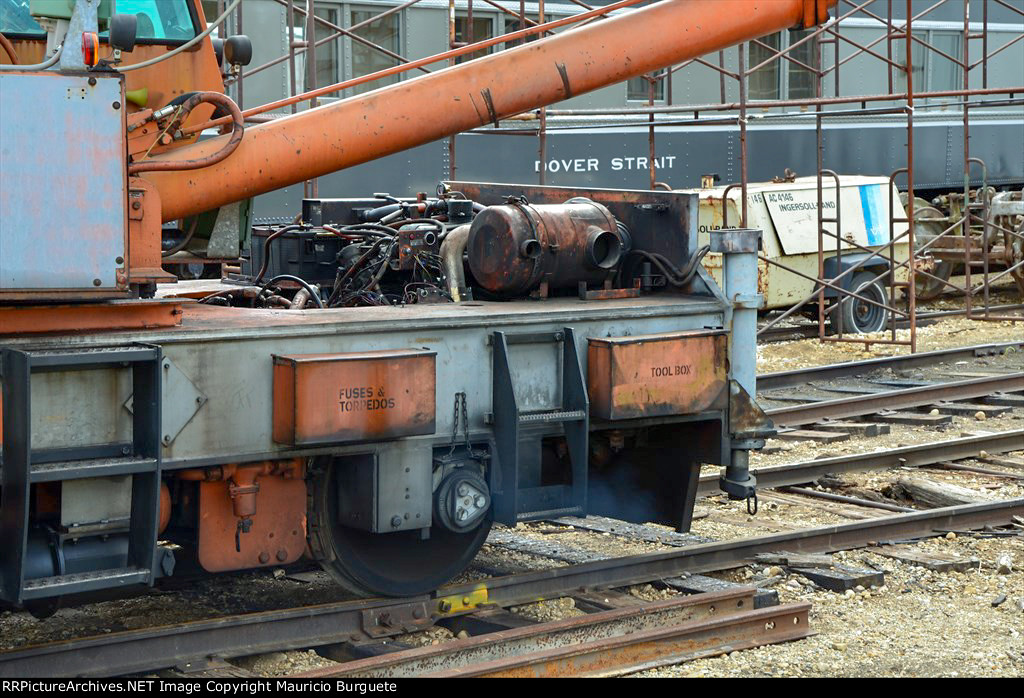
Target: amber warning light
(90, 48)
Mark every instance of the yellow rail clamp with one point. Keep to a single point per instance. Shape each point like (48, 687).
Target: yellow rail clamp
(463, 602)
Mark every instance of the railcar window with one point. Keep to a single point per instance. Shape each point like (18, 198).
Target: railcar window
(483, 28)
(946, 74)
(764, 82)
(514, 25)
(637, 89)
(935, 68)
(801, 78)
(918, 53)
(328, 55)
(365, 60)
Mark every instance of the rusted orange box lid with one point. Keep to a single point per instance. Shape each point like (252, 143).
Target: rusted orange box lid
(366, 396)
(657, 375)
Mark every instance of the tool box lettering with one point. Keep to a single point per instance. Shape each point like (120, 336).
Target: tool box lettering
(677, 370)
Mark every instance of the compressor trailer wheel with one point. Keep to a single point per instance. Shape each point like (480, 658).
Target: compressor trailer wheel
(858, 316)
(383, 564)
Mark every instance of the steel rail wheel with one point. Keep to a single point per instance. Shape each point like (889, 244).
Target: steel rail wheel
(929, 223)
(382, 564)
(1014, 251)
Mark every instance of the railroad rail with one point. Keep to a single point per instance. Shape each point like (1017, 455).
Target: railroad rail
(892, 400)
(784, 333)
(194, 644)
(605, 643)
(787, 379)
(602, 643)
(918, 455)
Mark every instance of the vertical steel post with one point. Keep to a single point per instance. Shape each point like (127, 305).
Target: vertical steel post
(310, 36)
(738, 248)
(542, 134)
(743, 132)
(911, 260)
(650, 130)
(451, 61)
(238, 30)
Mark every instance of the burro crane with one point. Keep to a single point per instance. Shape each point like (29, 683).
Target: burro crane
(378, 383)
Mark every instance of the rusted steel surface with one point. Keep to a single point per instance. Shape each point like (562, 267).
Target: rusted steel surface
(277, 533)
(856, 405)
(189, 71)
(656, 375)
(512, 248)
(651, 648)
(647, 232)
(114, 315)
(307, 144)
(547, 636)
(332, 398)
(145, 263)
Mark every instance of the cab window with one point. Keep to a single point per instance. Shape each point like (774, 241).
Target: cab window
(159, 21)
(15, 18)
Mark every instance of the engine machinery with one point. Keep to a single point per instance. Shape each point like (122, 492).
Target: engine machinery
(378, 383)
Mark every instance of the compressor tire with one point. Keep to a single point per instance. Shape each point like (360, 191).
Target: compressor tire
(857, 316)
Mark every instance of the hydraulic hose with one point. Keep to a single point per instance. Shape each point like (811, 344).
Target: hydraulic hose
(237, 131)
(49, 62)
(9, 48)
(266, 249)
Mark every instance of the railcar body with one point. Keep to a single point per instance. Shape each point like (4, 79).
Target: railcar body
(393, 375)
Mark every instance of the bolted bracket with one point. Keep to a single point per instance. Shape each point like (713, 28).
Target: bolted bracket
(182, 400)
(748, 423)
(397, 619)
(753, 301)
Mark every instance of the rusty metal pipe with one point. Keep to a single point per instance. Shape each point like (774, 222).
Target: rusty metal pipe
(452, 249)
(319, 141)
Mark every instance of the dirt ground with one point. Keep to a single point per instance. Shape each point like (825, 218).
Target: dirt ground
(945, 334)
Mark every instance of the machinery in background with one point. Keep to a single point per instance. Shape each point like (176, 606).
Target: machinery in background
(994, 237)
(787, 212)
(386, 378)
(387, 251)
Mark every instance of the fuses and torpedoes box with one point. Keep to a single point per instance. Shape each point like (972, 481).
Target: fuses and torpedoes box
(368, 396)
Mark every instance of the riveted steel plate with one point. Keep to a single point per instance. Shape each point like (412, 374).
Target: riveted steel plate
(182, 399)
(62, 215)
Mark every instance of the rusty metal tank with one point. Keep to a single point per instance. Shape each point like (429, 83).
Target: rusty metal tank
(515, 247)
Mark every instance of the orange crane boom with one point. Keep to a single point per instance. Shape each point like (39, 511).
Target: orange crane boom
(418, 111)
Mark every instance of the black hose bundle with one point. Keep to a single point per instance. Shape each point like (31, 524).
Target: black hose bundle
(678, 278)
